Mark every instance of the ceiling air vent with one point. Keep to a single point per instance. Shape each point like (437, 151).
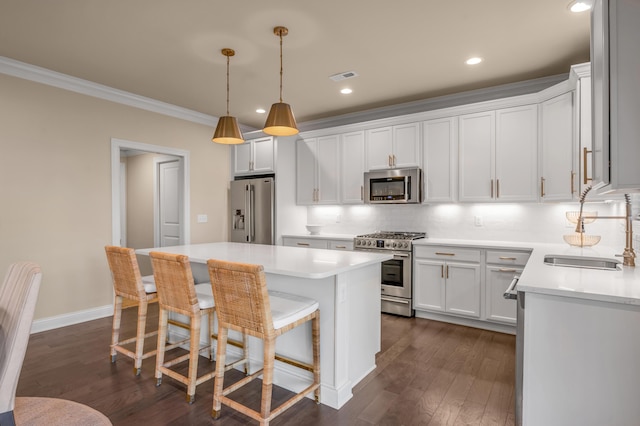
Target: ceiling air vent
(343, 75)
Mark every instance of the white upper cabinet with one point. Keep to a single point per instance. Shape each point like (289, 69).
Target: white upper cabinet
(317, 166)
(254, 157)
(352, 168)
(440, 151)
(558, 181)
(498, 155)
(615, 60)
(393, 147)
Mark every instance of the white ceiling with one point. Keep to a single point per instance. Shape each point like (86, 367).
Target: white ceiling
(403, 50)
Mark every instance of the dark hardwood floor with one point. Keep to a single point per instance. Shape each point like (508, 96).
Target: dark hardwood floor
(428, 373)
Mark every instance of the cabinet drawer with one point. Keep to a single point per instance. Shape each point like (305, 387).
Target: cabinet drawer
(507, 257)
(448, 253)
(305, 242)
(340, 245)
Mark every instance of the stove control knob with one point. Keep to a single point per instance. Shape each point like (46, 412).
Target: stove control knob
(395, 244)
(406, 245)
(368, 243)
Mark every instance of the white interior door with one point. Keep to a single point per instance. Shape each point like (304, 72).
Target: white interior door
(169, 201)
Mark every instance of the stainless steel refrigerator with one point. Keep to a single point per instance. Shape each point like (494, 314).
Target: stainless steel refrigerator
(251, 204)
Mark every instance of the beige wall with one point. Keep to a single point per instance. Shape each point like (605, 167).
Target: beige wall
(55, 185)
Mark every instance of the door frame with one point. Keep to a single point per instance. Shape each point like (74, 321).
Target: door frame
(117, 146)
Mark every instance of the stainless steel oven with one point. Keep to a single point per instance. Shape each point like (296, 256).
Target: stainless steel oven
(397, 273)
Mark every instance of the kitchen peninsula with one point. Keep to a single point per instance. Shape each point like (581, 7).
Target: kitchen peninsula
(347, 286)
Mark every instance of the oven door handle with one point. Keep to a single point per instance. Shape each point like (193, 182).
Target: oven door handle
(406, 188)
(400, 255)
(386, 299)
(510, 292)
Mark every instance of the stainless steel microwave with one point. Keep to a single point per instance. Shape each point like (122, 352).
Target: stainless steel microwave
(393, 186)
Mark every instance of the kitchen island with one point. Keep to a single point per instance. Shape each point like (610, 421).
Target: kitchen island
(346, 285)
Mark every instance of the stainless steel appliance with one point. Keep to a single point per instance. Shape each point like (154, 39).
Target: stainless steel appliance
(397, 273)
(512, 293)
(394, 186)
(251, 203)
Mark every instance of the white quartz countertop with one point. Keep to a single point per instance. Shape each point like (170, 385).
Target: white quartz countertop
(621, 286)
(281, 260)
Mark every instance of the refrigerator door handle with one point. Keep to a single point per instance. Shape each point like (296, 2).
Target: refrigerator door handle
(248, 220)
(252, 214)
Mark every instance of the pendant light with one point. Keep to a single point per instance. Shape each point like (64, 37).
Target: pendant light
(280, 121)
(227, 131)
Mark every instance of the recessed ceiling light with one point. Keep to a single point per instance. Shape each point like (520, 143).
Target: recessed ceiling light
(346, 91)
(580, 5)
(261, 111)
(473, 61)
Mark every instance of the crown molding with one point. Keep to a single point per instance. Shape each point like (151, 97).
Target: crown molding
(62, 81)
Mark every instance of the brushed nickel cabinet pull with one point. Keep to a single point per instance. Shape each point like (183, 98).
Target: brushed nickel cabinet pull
(541, 187)
(303, 244)
(441, 271)
(341, 247)
(506, 258)
(442, 253)
(389, 160)
(362, 192)
(497, 188)
(394, 160)
(447, 274)
(491, 188)
(585, 151)
(506, 270)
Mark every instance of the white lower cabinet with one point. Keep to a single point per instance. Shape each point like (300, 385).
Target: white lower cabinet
(466, 284)
(447, 285)
(321, 243)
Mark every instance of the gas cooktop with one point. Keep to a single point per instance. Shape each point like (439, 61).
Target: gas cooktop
(387, 240)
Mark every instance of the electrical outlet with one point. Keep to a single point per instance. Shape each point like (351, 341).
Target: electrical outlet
(202, 218)
(338, 218)
(478, 220)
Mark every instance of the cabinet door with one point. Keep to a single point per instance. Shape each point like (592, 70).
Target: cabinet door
(242, 155)
(428, 285)
(476, 165)
(379, 148)
(340, 245)
(328, 165)
(406, 146)
(352, 178)
(557, 178)
(440, 155)
(516, 154)
(584, 117)
(463, 289)
(497, 280)
(263, 154)
(306, 171)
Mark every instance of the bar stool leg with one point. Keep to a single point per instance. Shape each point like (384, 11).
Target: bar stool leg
(194, 354)
(142, 325)
(315, 333)
(245, 352)
(267, 377)
(115, 331)
(210, 328)
(221, 353)
(162, 341)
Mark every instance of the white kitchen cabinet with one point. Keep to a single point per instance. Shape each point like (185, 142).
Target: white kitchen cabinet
(498, 155)
(317, 170)
(321, 243)
(393, 147)
(352, 168)
(583, 116)
(254, 156)
(501, 269)
(440, 156)
(557, 176)
(447, 279)
(615, 63)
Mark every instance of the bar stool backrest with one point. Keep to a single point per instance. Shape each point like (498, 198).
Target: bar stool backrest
(242, 300)
(127, 281)
(174, 282)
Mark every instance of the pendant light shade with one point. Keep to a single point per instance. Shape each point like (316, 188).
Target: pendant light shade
(280, 121)
(227, 131)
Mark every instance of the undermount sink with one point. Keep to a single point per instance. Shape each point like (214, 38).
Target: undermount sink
(582, 262)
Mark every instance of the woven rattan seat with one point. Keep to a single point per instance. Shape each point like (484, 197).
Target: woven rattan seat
(128, 284)
(244, 304)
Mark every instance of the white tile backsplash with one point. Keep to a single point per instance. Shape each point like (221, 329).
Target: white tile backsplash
(504, 222)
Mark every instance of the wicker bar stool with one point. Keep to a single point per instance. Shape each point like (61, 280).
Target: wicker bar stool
(245, 305)
(176, 293)
(128, 284)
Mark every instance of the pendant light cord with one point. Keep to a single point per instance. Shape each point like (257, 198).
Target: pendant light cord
(227, 84)
(280, 66)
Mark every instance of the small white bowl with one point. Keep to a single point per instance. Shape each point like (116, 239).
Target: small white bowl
(314, 229)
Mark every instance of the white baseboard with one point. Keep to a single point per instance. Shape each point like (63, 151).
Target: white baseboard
(469, 322)
(77, 317)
